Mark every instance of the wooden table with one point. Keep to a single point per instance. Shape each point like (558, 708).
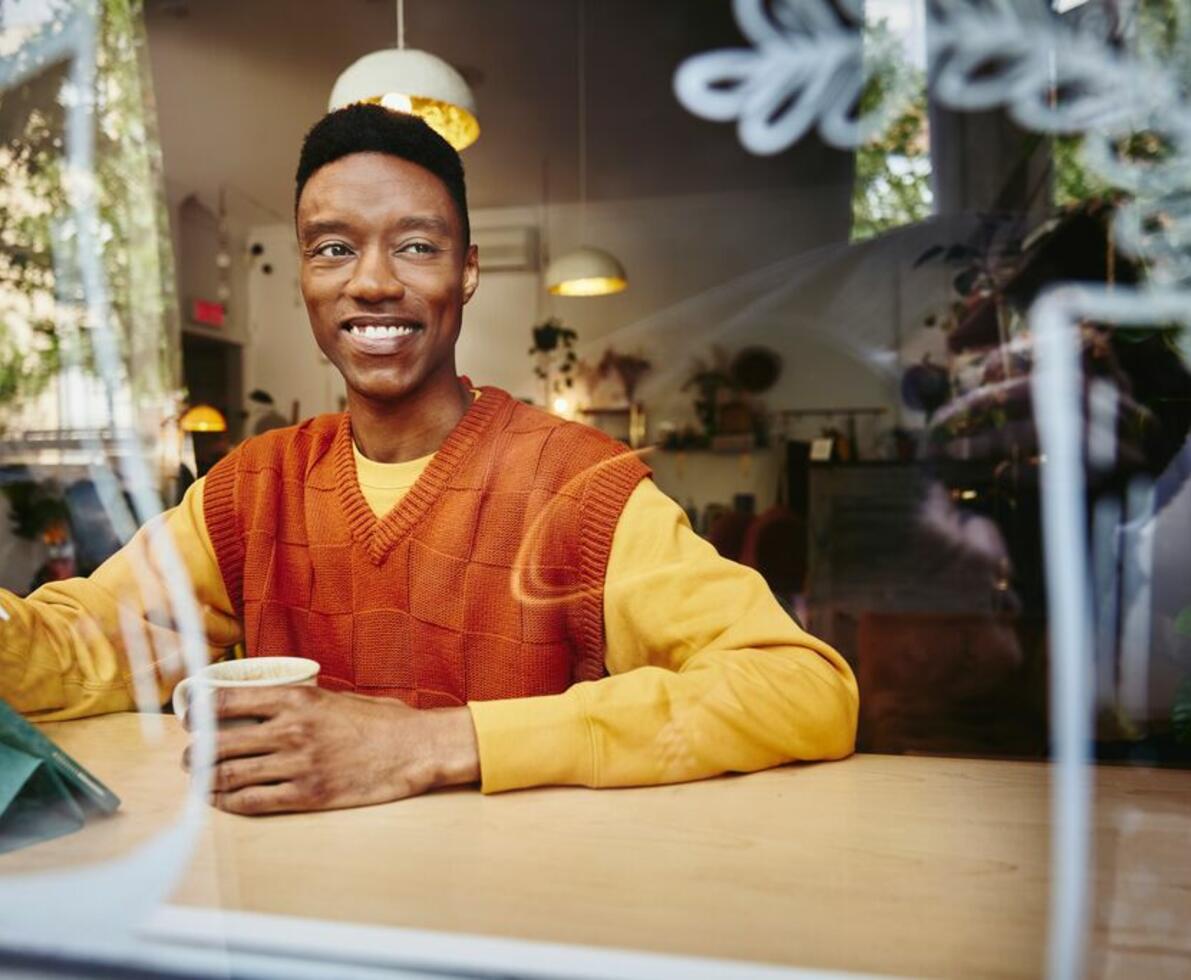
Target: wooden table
(893, 864)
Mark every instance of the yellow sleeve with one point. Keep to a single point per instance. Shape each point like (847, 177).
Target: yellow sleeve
(707, 675)
(69, 649)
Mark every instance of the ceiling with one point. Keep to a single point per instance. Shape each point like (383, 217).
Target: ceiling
(238, 82)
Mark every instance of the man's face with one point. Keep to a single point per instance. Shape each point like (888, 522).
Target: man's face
(385, 273)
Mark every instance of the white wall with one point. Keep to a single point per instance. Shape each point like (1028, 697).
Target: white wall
(701, 478)
(726, 270)
(281, 356)
(196, 244)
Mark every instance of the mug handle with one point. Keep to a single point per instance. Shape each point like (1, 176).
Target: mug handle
(181, 699)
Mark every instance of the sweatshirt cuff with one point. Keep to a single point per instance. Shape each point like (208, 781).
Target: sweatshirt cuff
(539, 741)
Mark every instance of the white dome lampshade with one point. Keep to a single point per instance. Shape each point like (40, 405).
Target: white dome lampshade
(416, 82)
(587, 271)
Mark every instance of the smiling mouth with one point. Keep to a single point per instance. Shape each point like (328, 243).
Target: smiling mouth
(381, 329)
(380, 336)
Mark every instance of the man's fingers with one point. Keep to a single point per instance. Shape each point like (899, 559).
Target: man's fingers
(245, 702)
(249, 740)
(256, 770)
(254, 800)
(262, 739)
(257, 702)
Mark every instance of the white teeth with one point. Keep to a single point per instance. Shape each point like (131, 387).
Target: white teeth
(376, 330)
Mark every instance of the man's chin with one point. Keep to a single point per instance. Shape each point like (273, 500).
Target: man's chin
(381, 393)
(383, 387)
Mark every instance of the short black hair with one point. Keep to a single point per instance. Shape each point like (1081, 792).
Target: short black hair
(370, 128)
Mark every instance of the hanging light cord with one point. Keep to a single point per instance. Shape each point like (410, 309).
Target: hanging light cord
(401, 24)
(582, 124)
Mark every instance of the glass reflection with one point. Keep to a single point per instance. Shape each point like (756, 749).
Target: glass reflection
(917, 355)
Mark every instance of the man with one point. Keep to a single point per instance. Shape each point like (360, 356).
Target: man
(494, 595)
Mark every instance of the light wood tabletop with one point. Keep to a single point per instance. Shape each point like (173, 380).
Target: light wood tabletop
(893, 864)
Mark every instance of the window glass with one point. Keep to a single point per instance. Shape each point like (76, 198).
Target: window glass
(863, 644)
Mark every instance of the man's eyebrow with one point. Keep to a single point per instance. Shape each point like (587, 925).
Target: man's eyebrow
(327, 226)
(432, 223)
(425, 222)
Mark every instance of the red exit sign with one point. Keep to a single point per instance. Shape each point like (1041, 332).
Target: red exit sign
(207, 312)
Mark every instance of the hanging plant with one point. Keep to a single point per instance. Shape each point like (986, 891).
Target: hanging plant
(554, 355)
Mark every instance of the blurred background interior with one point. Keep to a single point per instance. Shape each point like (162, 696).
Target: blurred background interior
(826, 354)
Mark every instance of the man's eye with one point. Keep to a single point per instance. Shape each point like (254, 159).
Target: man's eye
(333, 250)
(418, 248)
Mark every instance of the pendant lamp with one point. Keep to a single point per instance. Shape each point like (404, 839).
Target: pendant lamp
(203, 418)
(417, 82)
(587, 271)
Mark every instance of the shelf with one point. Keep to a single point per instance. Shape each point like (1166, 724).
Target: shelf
(708, 451)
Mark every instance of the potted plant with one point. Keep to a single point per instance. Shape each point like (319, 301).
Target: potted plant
(554, 357)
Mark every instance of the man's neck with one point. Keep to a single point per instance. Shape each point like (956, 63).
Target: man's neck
(394, 432)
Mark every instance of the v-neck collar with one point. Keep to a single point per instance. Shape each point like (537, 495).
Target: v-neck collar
(378, 535)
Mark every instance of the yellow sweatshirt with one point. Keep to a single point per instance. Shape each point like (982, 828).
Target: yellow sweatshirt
(707, 674)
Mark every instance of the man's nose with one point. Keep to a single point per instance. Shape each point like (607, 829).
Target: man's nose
(374, 278)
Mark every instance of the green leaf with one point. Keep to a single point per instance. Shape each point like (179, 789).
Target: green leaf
(1182, 622)
(1180, 714)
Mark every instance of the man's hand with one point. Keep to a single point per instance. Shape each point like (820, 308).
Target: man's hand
(317, 750)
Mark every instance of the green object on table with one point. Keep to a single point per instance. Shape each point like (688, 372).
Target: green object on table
(44, 793)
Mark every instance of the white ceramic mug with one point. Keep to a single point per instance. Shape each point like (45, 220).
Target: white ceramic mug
(251, 672)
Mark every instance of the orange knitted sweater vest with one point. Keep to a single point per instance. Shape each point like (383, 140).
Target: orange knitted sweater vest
(485, 581)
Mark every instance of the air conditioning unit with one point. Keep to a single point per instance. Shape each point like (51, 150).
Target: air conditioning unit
(512, 248)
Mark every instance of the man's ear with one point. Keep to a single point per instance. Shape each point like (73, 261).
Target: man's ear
(471, 271)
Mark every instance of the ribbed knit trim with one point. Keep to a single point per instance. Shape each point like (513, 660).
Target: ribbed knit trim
(603, 501)
(219, 512)
(378, 535)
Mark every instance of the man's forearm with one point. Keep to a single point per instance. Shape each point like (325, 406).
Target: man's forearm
(53, 665)
(737, 711)
(71, 649)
